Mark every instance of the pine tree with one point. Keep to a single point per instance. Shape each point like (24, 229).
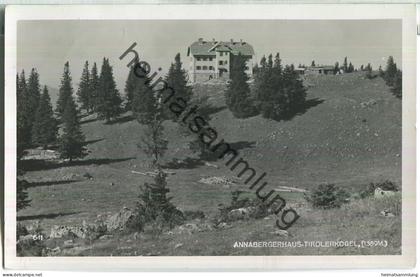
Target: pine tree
(345, 65)
(65, 91)
(130, 87)
(84, 93)
(109, 101)
(94, 85)
(23, 116)
(362, 68)
(313, 63)
(263, 62)
(350, 68)
(336, 68)
(397, 85)
(381, 72)
(44, 129)
(238, 94)
(72, 140)
(144, 103)
(33, 94)
(369, 73)
(177, 80)
(279, 92)
(391, 71)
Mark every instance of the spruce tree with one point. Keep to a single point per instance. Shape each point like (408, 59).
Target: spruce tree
(350, 68)
(336, 67)
(23, 116)
(397, 85)
(391, 71)
(72, 140)
(33, 93)
(345, 65)
(145, 105)
(22, 198)
(313, 63)
(94, 84)
(109, 101)
(368, 70)
(177, 80)
(84, 93)
(130, 88)
(263, 62)
(65, 91)
(238, 94)
(381, 72)
(44, 129)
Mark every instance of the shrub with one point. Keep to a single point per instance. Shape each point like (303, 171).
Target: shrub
(238, 200)
(327, 196)
(155, 208)
(370, 189)
(33, 245)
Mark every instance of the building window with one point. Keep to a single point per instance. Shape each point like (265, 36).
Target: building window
(205, 67)
(210, 59)
(221, 53)
(198, 67)
(225, 62)
(211, 67)
(220, 62)
(198, 59)
(205, 59)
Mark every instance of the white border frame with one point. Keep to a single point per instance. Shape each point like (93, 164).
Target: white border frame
(132, 12)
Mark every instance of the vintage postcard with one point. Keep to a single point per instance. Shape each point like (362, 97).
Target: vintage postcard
(210, 137)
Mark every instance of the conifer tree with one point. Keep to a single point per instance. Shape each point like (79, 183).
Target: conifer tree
(144, 104)
(44, 129)
(391, 71)
(263, 62)
(130, 87)
(313, 63)
(72, 140)
(397, 85)
(94, 84)
(381, 72)
(33, 93)
(84, 93)
(369, 73)
(177, 80)
(23, 116)
(22, 198)
(350, 68)
(65, 91)
(238, 94)
(108, 104)
(336, 67)
(345, 65)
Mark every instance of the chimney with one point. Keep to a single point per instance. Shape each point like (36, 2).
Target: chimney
(214, 41)
(200, 40)
(231, 40)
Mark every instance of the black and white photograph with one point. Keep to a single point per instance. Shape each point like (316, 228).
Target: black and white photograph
(204, 137)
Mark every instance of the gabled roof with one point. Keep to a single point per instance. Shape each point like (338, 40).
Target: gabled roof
(209, 48)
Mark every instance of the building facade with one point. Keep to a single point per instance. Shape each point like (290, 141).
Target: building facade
(212, 59)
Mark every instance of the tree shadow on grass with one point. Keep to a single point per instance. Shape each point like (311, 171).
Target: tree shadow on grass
(34, 165)
(302, 109)
(44, 216)
(88, 121)
(209, 109)
(188, 163)
(50, 183)
(92, 141)
(120, 120)
(208, 155)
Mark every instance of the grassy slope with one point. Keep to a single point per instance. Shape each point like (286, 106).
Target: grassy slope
(335, 141)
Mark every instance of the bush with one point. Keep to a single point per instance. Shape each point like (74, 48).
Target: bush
(154, 207)
(369, 191)
(238, 200)
(327, 196)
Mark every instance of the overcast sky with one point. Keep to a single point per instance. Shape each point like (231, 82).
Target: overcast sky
(47, 45)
